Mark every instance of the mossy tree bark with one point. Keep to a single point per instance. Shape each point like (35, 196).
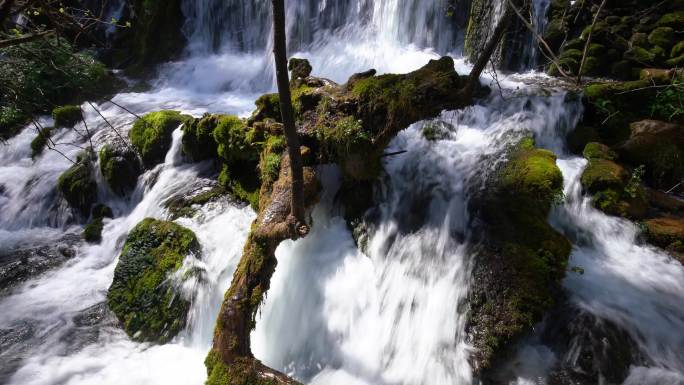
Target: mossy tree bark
(286, 110)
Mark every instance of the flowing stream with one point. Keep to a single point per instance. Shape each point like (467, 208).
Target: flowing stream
(393, 312)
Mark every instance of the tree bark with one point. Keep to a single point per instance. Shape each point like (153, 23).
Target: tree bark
(280, 55)
(488, 50)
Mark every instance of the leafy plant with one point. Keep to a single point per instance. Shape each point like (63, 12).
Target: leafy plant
(669, 102)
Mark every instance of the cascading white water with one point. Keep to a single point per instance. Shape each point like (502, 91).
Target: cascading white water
(394, 314)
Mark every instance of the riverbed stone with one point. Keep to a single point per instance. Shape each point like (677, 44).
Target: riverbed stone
(145, 298)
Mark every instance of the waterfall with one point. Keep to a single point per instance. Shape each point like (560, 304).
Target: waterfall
(392, 312)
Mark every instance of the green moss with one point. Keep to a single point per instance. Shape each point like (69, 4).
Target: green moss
(268, 107)
(120, 168)
(11, 120)
(675, 62)
(102, 211)
(533, 173)
(595, 151)
(147, 303)
(40, 141)
(672, 20)
(244, 186)
(151, 135)
(677, 50)
(67, 116)
(231, 134)
(242, 371)
(198, 138)
(92, 233)
(77, 185)
(603, 174)
(187, 207)
(662, 37)
(641, 55)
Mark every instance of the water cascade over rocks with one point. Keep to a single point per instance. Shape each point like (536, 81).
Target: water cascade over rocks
(389, 308)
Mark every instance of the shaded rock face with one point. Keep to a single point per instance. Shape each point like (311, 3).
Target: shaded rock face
(120, 168)
(142, 295)
(667, 233)
(520, 259)
(590, 350)
(77, 185)
(13, 346)
(659, 146)
(18, 265)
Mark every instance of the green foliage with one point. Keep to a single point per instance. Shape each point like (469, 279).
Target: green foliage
(633, 187)
(141, 294)
(151, 135)
(40, 74)
(67, 116)
(77, 185)
(11, 118)
(669, 102)
(243, 186)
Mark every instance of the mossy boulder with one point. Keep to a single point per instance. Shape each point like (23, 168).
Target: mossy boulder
(660, 147)
(67, 116)
(40, 141)
(198, 138)
(667, 233)
(92, 232)
(151, 135)
(662, 37)
(677, 50)
(673, 20)
(615, 190)
(120, 168)
(268, 107)
(144, 295)
(77, 185)
(522, 258)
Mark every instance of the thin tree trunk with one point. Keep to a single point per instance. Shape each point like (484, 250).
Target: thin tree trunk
(488, 50)
(280, 54)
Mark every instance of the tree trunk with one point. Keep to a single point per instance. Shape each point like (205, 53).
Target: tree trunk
(280, 54)
(488, 50)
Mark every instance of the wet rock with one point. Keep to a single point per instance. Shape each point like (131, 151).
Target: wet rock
(77, 184)
(186, 203)
(198, 138)
(299, 68)
(659, 146)
(120, 168)
(15, 343)
(143, 296)
(590, 349)
(67, 116)
(667, 233)
(151, 135)
(520, 257)
(18, 265)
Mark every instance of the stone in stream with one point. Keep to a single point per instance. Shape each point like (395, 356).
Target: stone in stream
(18, 265)
(145, 295)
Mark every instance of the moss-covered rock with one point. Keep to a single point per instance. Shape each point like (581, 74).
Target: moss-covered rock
(67, 116)
(660, 147)
(668, 233)
(120, 168)
(231, 135)
(672, 20)
(522, 260)
(92, 232)
(77, 185)
(268, 107)
(662, 37)
(198, 138)
(151, 135)
(677, 50)
(40, 141)
(143, 295)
